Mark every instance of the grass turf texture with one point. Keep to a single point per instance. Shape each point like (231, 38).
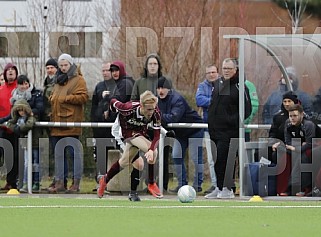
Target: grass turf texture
(116, 216)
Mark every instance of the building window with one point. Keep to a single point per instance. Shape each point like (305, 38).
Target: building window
(79, 45)
(19, 44)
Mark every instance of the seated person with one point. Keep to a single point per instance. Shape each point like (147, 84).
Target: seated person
(296, 127)
(276, 132)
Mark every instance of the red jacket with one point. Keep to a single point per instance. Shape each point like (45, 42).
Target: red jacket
(5, 95)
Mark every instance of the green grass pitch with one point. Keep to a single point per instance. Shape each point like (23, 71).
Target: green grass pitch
(32, 216)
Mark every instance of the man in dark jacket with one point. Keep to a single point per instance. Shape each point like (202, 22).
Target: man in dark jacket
(175, 109)
(103, 139)
(276, 132)
(298, 134)
(223, 124)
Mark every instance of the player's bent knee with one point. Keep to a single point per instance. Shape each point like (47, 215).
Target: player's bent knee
(139, 164)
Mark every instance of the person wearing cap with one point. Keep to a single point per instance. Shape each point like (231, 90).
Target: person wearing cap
(175, 109)
(272, 104)
(10, 76)
(67, 100)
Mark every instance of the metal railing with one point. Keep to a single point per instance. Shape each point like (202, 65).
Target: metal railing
(101, 125)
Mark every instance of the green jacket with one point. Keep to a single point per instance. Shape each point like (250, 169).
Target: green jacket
(254, 101)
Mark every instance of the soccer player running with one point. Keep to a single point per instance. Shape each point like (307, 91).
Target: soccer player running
(134, 118)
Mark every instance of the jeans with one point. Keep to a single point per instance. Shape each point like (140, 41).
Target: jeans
(210, 159)
(194, 143)
(64, 146)
(35, 166)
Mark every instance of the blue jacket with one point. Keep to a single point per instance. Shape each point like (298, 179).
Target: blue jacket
(174, 109)
(203, 97)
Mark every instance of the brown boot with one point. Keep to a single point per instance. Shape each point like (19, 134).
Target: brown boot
(74, 188)
(58, 188)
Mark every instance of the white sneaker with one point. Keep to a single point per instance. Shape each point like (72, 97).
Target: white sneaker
(213, 194)
(225, 193)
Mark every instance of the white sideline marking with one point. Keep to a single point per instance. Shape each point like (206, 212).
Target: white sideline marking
(152, 207)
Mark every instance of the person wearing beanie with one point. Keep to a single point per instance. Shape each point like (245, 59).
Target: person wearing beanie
(68, 97)
(277, 139)
(52, 62)
(175, 109)
(272, 104)
(66, 57)
(299, 133)
(276, 132)
(49, 82)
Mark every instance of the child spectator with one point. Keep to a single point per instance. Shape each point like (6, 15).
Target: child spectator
(20, 124)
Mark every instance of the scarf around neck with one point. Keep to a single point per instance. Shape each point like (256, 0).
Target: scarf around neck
(18, 94)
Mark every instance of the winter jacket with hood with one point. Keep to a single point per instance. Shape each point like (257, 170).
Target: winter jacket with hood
(22, 129)
(67, 101)
(6, 90)
(124, 83)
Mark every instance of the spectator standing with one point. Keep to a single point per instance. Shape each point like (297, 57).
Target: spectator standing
(49, 82)
(104, 90)
(67, 100)
(10, 76)
(27, 91)
(272, 105)
(134, 118)
(203, 100)
(255, 107)
(150, 75)
(223, 124)
(175, 109)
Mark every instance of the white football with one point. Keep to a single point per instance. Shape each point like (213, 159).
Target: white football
(186, 194)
